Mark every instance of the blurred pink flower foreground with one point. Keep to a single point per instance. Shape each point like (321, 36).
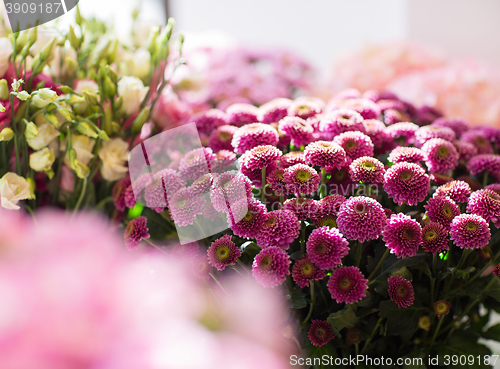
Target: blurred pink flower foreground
(73, 297)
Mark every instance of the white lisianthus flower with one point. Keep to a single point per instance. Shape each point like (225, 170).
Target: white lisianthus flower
(88, 85)
(114, 155)
(83, 146)
(6, 50)
(46, 133)
(132, 91)
(13, 188)
(44, 97)
(41, 161)
(138, 63)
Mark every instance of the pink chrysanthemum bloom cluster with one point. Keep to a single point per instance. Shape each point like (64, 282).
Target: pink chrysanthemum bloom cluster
(280, 228)
(442, 210)
(325, 154)
(440, 155)
(135, 231)
(458, 191)
(301, 178)
(367, 169)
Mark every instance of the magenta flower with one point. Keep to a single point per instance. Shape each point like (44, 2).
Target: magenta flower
(275, 179)
(129, 197)
(484, 162)
(274, 110)
(196, 163)
(330, 204)
(251, 214)
(161, 187)
(479, 139)
(304, 271)
(406, 154)
(299, 131)
(325, 154)
(470, 231)
(210, 120)
(220, 139)
(271, 266)
(305, 107)
(302, 207)
(185, 206)
(202, 185)
(365, 107)
(434, 238)
(375, 129)
(119, 191)
(401, 291)
(253, 135)
(301, 178)
(402, 131)
(340, 121)
(326, 247)
(223, 252)
(426, 133)
(442, 210)
(406, 183)
(465, 150)
(355, 144)
(135, 231)
(496, 271)
(458, 191)
(280, 228)
(261, 157)
(440, 155)
(402, 235)
(240, 114)
(485, 203)
(459, 126)
(367, 169)
(361, 218)
(347, 284)
(227, 189)
(320, 333)
(292, 158)
(494, 187)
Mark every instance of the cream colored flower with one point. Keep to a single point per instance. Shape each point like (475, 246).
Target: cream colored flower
(41, 161)
(44, 97)
(83, 146)
(114, 155)
(88, 85)
(46, 133)
(132, 91)
(13, 188)
(138, 63)
(5, 51)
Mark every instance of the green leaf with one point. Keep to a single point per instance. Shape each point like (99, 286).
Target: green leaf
(297, 298)
(494, 290)
(463, 274)
(345, 318)
(315, 354)
(492, 333)
(400, 321)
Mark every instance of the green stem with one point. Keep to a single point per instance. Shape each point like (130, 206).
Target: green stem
(359, 254)
(379, 265)
(80, 198)
(311, 307)
(465, 254)
(323, 183)
(302, 237)
(371, 336)
(263, 188)
(218, 284)
(436, 332)
(434, 276)
(485, 179)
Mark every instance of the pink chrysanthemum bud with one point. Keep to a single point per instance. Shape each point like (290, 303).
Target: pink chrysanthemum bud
(352, 336)
(223, 252)
(320, 333)
(304, 271)
(271, 266)
(135, 231)
(406, 183)
(441, 308)
(470, 231)
(402, 235)
(434, 238)
(401, 291)
(347, 284)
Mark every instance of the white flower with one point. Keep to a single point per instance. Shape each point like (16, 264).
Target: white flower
(83, 146)
(132, 91)
(114, 155)
(41, 161)
(13, 188)
(46, 133)
(5, 51)
(44, 97)
(88, 85)
(139, 63)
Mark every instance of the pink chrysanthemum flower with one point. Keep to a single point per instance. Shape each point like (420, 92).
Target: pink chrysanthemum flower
(274, 110)
(347, 284)
(402, 130)
(442, 209)
(185, 206)
(262, 157)
(305, 107)
(225, 159)
(299, 131)
(484, 162)
(328, 220)
(161, 187)
(440, 155)
(496, 271)
(479, 140)
(253, 135)
(470, 231)
(365, 107)
(240, 114)
(220, 139)
(458, 191)
(304, 271)
(320, 333)
(402, 235)
(325, 154)
(196, 163)
(246, 217)
(254, 174)
(485, 203)
(352, 336)
(367, 169)
(129, 197)
(406, 183)
(210, 120)
(229, 188)
(340, 121)
(434, 238)
(494, 187)
(118, 193)
(275, 179)
(440, 179)
(330, 204)
(355, 144)
(361, 218)
(326, 247)
(375, 129)
(271, 266)
(202, 185)
(441, 308)
(406, 154)
(280, 228)
(401, 291)
(459, 126)
(292, 158)
(223, 252)
(301, 178)
(394, 116)
(135, 231)
(302, 207)
(340, 181)
(425, 133)
(465, 150)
